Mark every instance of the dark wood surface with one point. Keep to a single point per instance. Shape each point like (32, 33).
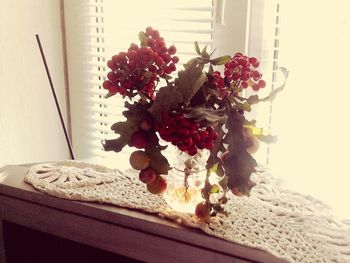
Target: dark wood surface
(51, 249)
(126, 232)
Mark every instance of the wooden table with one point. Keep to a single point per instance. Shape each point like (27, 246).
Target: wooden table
(121, 231)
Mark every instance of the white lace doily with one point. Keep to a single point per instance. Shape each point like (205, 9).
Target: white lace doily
(289, 225)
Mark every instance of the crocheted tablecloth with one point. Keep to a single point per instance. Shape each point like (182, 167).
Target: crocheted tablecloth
(289, 225)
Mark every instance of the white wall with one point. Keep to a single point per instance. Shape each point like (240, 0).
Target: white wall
(30, 129)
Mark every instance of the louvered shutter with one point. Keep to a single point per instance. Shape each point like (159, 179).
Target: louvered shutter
(264, 44)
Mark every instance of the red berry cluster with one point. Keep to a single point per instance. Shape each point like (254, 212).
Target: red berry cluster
(140, 67)
(186, 134)
(166, 59)
(242, 72)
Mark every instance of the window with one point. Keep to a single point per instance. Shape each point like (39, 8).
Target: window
(309, 117)
(98, 29)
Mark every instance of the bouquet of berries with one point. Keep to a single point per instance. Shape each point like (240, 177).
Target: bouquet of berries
(202, 109)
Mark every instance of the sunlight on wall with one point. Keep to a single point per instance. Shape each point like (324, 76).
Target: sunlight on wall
(311, 115)
(30, 129)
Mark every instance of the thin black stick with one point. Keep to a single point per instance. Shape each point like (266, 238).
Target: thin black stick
(55, 97)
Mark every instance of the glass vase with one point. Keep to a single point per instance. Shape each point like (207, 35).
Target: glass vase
(186, 180)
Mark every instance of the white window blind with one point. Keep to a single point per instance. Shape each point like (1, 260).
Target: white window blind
(263, 43)
(99, 29)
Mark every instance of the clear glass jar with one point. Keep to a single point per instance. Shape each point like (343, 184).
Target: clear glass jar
(186, 180)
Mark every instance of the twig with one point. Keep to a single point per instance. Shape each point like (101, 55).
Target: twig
(55, 97)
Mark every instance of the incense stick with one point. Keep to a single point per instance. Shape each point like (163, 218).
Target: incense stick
(55, 97)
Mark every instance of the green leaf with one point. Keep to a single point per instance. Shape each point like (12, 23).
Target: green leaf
(134, 115)
(143, 38)
(185, 87)
(211, 69)
(167, 77)
(108, 95)
(220, 171)
(253, 99)
(267, 138)
(206, 115)
(204, 50)
(250, 122)
(200, 98)
(246, 106)
(181, 91)
(213, 157)
(214, 93)
(125, 130)
(237, 104)
(196, 46)
(218, 209)
(253, 129)
(215, 189)
(272, 96)
(223, 200)
(220, 60)
(167, 98)
(124, 127)
(115, 145)
(239, 164)
(223, 183)
(158, 162)
(260, 133)
(190, 80)
(204, 53)
(238, 169)
(213, 169)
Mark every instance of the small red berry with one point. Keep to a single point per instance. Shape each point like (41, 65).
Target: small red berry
(139, 160)
(111, 76)
(175, 59)
(155, 34)
(261, 84)
(158, 186)
(111, 64)
(253, 60)
(256, 75)
(147, 175)
(172, 50)
(203, 211)
(192, 151)
(149, 30)
(244, 84)
(188, 141)
(209, 145)
(200, 145)
(106, 84)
